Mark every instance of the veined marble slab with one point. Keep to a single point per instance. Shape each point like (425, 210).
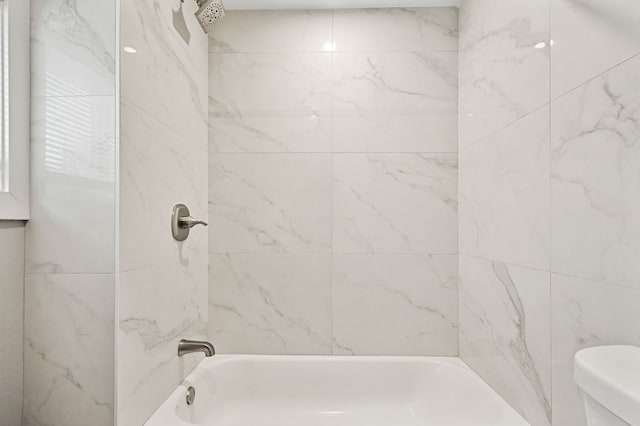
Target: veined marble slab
(505, 332)
(595, 150)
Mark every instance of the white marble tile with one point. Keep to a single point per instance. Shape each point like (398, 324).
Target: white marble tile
(273, 31)
(503, 76)
(270, 203)
(163, 283)
(72, 226)
(395, 203)
(158, 169)
(166, 76)
(505, 332)
(398, 132)
(270, 304)
(585, 314)
(504, 194)
(589, 37)
(68, 352)
(595, 142)
(254, 83)
(395, 305)
(273, 91)
(271, 102)
(11, 321)
(72, 47)
(386, 82)
(158, 306)
(397, 29)
(270, 132)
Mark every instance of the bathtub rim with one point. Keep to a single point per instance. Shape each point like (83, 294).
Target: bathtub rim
(167, 409)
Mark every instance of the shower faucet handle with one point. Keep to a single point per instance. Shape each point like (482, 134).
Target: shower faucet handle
(189, 222)
(182, 222)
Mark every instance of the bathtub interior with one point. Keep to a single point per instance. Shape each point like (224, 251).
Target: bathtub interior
(335, 391)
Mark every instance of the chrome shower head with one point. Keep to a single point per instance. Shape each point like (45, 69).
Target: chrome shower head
(210, 12)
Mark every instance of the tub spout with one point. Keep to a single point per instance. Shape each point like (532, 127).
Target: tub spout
(190, 346)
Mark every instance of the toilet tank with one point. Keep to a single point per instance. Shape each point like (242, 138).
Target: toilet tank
(609, 377)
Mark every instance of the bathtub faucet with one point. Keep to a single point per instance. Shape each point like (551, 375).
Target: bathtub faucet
(190, 346)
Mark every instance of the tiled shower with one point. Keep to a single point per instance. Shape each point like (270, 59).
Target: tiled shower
(333, 182)
(441, 181)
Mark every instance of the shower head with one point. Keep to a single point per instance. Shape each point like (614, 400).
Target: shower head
(210, 12)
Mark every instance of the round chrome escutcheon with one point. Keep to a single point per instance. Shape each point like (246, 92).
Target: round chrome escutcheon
(191, 395)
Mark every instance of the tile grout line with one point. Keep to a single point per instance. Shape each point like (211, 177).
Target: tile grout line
(331, 181)
(595, 281)
(550, 336)
(511, 123)
(315, 52)
(338, 153)
(459, 281)
(162, 123)
(549, 101)
(517, 265)
(564, 274)
(589, 80)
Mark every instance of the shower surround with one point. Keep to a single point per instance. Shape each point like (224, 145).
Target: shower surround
(333, 182)
(332, 167)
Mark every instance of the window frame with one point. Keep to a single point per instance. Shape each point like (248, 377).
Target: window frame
(14, 203)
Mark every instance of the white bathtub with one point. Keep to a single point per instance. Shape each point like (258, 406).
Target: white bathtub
(246, 390)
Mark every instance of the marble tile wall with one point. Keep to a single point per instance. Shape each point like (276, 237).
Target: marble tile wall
(70, 238)
(503, 77)
(504, 332)
(595, 147)
(548, 159)
(504, 242)
(163, 161)
(332, 175)
(333, 181)
(68, 354)
(11, 321)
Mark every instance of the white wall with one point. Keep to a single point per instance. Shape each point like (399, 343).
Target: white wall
(548, 193)
(70, 238)
(163, 161)
(11, 321)
(332, 182)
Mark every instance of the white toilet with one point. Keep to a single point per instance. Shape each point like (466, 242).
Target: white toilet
(609, 377)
